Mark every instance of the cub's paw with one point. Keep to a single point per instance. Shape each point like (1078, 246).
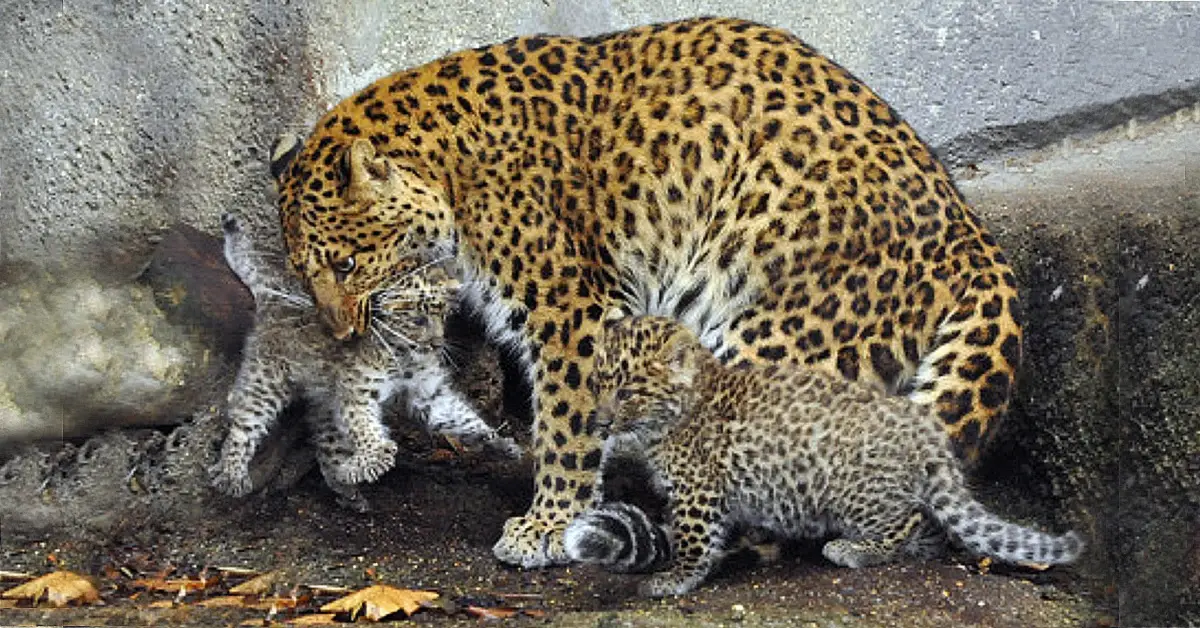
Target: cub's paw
(231, 479)
(504, 446)
(348, 496)
(367, 464)
(855, 554)
(669, 583)
(531, 541)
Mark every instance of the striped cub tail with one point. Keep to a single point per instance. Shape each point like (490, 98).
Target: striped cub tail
(985, 534)
(619, 537)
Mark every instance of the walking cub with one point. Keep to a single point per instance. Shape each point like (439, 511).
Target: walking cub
(287, 355)
(796, 452)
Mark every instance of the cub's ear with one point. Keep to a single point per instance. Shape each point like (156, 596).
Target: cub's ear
(682, 353)
(612, 315)
(283, 153)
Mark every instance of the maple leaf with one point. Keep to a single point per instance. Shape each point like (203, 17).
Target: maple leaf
(278, 603)
(15, 575)
(379, 601)
(316, 619)
(490, 613)
(59, 589)
(176, 585)
(258, 585)
(503, 612)
(222, 600)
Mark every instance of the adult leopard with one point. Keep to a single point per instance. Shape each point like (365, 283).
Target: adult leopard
(712, 170)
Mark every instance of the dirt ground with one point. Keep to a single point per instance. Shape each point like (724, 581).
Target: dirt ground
(436, 515)
(432, 524)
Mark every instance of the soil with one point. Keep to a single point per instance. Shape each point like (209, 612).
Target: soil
(432, 524)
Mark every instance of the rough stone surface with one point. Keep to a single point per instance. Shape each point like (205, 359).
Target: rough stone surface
(122, 118)
(77, 354)
(1105, 429)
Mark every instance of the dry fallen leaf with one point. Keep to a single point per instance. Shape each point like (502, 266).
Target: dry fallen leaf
(277, 603)
(490, 613)
(504, 612)
(58, 588)
(316, 619)
(442, 455)
(237, 571)
(258, 585)
(1032, 565)
(985, 565)
(223, 600)
(15, 575)
(328, 588)
(175, 585)
(379, 601)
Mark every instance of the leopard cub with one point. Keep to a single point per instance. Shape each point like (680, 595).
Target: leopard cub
(288, 355)
(792, 451)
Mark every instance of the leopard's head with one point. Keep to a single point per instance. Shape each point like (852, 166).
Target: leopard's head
(354, 219)
(644, 371)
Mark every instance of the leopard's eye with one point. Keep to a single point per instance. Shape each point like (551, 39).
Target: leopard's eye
(343, 266)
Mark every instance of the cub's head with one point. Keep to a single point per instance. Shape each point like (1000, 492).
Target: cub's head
(410, 314)
(354, 218)
(643, 374)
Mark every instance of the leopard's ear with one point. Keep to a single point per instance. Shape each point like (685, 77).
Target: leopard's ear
(283, 153)
(366, 170)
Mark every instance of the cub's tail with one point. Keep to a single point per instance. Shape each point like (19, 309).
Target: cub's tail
(619, 537)
(985, 534)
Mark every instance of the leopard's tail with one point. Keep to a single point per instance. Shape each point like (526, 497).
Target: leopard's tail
(985, 534)
(619, 537)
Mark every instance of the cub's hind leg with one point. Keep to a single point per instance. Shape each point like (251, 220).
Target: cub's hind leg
(333, 449)
(259, 394)
(700, 533)
(881, 539)
(358, 411)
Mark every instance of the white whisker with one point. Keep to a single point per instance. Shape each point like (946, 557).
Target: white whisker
(389, 329)
(386, 345)
(295, 299)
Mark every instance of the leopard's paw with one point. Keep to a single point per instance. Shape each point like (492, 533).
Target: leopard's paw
(532, 541)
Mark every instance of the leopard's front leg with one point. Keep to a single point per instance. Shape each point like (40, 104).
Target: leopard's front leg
(566, 453)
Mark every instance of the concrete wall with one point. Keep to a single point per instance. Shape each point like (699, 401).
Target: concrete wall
(118, 117)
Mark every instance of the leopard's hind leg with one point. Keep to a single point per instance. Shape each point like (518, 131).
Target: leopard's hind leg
(969, 371)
